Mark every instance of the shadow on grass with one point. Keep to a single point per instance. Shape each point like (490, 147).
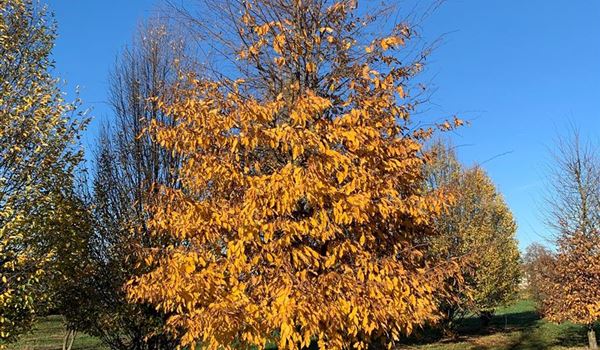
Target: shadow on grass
(507, 322)
(521, 329)
(471, 327)
(574, 335)
(548, 335)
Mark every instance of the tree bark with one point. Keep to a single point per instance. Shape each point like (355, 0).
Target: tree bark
(69, 339)
(592, 343)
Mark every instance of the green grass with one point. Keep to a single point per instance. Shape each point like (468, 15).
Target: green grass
(517, 327)
(48, 335)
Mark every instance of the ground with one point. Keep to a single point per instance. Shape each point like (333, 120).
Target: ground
(516, 327)
(48, 335)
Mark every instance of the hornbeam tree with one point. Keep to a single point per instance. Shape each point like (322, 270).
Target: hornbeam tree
(300, 212)
(571, 290)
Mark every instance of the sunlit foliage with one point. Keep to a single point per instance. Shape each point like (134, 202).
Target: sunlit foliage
(37, 160)
(479, 230)
(301, 201)
(573, 209)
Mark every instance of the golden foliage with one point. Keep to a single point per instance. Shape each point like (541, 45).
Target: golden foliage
(301, 207)
(571, 288)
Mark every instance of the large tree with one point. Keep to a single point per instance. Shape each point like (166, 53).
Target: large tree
(478, 229)
(301, 206)
(38, 157)
(572, 292)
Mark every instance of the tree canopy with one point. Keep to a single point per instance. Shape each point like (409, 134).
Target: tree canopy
(38, 156)
(478, 229)
(573, 207)
(301, 205)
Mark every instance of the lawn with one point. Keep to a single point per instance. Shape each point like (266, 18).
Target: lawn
(513, 328)
(517, 327)
(48, 335)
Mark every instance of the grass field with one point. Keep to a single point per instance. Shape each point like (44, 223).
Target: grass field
(513, 328)
(48, 335)
(517, 327)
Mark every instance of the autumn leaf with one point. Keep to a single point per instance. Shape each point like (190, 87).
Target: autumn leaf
(314, 215)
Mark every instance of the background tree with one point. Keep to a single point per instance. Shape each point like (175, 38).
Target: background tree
(301, 205)
(479, 230)
(128, 165)
(574, 212)
(38, 156)
(538, 265)
(70, 263)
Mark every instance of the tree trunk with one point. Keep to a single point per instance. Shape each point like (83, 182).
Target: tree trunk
(592, 343)
(486, 318)
(69, 339)
(72, 340)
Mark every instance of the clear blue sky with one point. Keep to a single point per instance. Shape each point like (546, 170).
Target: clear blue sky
(519, 70)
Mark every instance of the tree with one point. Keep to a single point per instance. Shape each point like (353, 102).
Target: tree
(574, 212)
(38, 157)
(301, 207)
(68, 268)
(127, 165)
(479, 230)
(538, 266)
